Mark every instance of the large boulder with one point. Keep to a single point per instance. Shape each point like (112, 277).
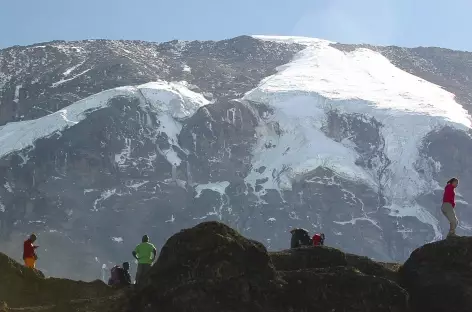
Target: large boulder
(211, 267)
(438, 276)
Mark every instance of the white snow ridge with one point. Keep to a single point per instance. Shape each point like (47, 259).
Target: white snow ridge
(322, 78)
(171, 101)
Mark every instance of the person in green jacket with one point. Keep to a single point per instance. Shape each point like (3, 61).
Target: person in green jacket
(145, 253)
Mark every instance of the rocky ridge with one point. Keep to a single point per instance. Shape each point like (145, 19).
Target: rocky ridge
(211, 267)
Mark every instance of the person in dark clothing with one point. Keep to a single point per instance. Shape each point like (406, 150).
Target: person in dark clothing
(120, 275)
(300, 238)
(125, 277)
(449, 204)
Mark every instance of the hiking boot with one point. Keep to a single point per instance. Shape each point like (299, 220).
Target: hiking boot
(451, 235)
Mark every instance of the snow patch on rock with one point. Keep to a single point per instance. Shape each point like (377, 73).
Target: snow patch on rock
(117, 239)
(218, 187)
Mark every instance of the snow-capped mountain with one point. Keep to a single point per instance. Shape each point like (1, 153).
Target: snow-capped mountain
(104, 141)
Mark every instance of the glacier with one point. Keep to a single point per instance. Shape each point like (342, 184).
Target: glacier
(322, 78)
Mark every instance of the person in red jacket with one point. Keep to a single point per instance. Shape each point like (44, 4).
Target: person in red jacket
(318, 239)
(29, 252)
(449, 204)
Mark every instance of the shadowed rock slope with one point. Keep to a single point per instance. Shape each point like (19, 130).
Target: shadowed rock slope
(439, 276)
(211, 267)
(25, 289)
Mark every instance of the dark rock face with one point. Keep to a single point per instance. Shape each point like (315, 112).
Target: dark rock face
(438, 276)
(220, 137)
(212, 268)
(93, 189)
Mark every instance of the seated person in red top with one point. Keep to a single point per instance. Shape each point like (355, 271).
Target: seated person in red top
(29, 252)
(318, 239)
(449, 204)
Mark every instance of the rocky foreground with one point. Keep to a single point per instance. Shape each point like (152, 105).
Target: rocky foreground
(211, 267)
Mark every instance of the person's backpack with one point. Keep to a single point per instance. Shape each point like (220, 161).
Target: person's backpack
(305, 239)
(300, 237)
(115, 276)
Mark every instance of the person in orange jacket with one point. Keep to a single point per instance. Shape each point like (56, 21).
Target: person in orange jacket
(29, 252)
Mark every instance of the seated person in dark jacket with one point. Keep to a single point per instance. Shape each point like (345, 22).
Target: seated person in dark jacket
(120, 275)
(300, 238)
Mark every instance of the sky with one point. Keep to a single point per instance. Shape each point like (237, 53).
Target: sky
(407, 23)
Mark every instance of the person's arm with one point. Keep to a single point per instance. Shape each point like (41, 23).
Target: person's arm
(127, 278)
(136, 252)
(33, 250)
(154, 252)
(453, 191)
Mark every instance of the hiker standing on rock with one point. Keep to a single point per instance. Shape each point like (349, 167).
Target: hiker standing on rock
(449, 204)
(145, 253)
(29, 252)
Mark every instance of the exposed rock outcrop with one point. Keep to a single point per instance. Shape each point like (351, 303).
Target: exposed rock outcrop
(212, 268)
(439, 276)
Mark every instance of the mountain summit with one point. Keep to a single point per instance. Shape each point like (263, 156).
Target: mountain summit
(104, 141)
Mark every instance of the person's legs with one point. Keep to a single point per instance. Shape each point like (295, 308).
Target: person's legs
(144, 271)
(30, 263)
(450, 214)
(139, 272)
(454, 223)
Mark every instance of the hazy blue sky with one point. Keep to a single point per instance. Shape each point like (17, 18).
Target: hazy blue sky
(399, 22)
